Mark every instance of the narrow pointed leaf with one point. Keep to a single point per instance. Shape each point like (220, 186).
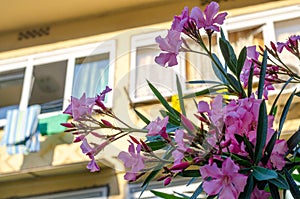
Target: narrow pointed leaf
(141, 116)
(285, 111)
(269, 148)
(162, 100)
(261, 173)
(248, 188)
(274, 191)
(250, 80)
(197, 192)
(261, 133)
(294, 140)
(218, 69)
(165, 195)
(277, 97)
(205, 91)
(240, 62)
(262, 75)
(180, 95)
(190, 173)
(293, 186)
(280, 182)
(204, 82)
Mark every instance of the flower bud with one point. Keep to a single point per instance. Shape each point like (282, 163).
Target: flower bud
(107, 123)
(68, 125)
(167, 181)
(180, 166)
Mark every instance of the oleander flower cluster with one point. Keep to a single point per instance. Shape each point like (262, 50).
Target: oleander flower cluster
(231, 143)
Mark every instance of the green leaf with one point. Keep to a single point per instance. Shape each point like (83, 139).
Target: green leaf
(285, 111)
(180, 95)
(261, 173)
(261, 133)
(262, 75)
(293, 186)
(240, 62)
(162, 100)
(156, 145)
(248, 188)
(218, 68)
(190, 173)
(293, 140)
(197, 192)
(204, 82)
(274, 191)
(172, 118)
(141, 116)
(297, 94)
(280, 182)
(249, 146)
(165, 195)
(250, 80)
(205, 91)
(269, 148)
(240, 160)
(228, 55)
(234, 83)
(277, 97)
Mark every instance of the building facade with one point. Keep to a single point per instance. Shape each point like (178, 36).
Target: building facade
(51, 50)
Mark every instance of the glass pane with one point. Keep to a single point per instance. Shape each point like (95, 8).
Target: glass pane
(48, 86)
(90, 75)
(146, 69)
(198, 66)
(246, 37)
(11, 84)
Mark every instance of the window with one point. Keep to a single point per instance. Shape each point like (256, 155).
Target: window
(90, 75)
(199, 66)
(48, 84)
(143, 67)
(11, 84)
(50, 78)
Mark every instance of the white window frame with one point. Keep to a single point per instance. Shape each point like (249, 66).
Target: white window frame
(75, 194)
(66, 54)
(267, 20)
(143, 40)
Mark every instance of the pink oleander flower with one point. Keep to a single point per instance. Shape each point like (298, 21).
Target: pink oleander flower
(183, 141)
(101, 97)
(271, 74)
(259, 194)
(252, 54)
(210, 19)
(292, 42)
(93, 166)
(80, 107)
(171, 45)
(181, 21)
(277, 156)
(226, 182)
(157, 127)
(134, 160)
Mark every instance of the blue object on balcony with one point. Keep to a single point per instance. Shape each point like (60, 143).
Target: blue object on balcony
(20, 131)
(3, 110)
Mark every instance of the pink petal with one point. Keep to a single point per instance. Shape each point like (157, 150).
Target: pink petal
(228, 167)
(210, 11)
(228, 192)
(203, 107)
(210, 171)
(212, 187)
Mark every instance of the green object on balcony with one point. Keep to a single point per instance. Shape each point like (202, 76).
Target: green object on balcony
(51, 125)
